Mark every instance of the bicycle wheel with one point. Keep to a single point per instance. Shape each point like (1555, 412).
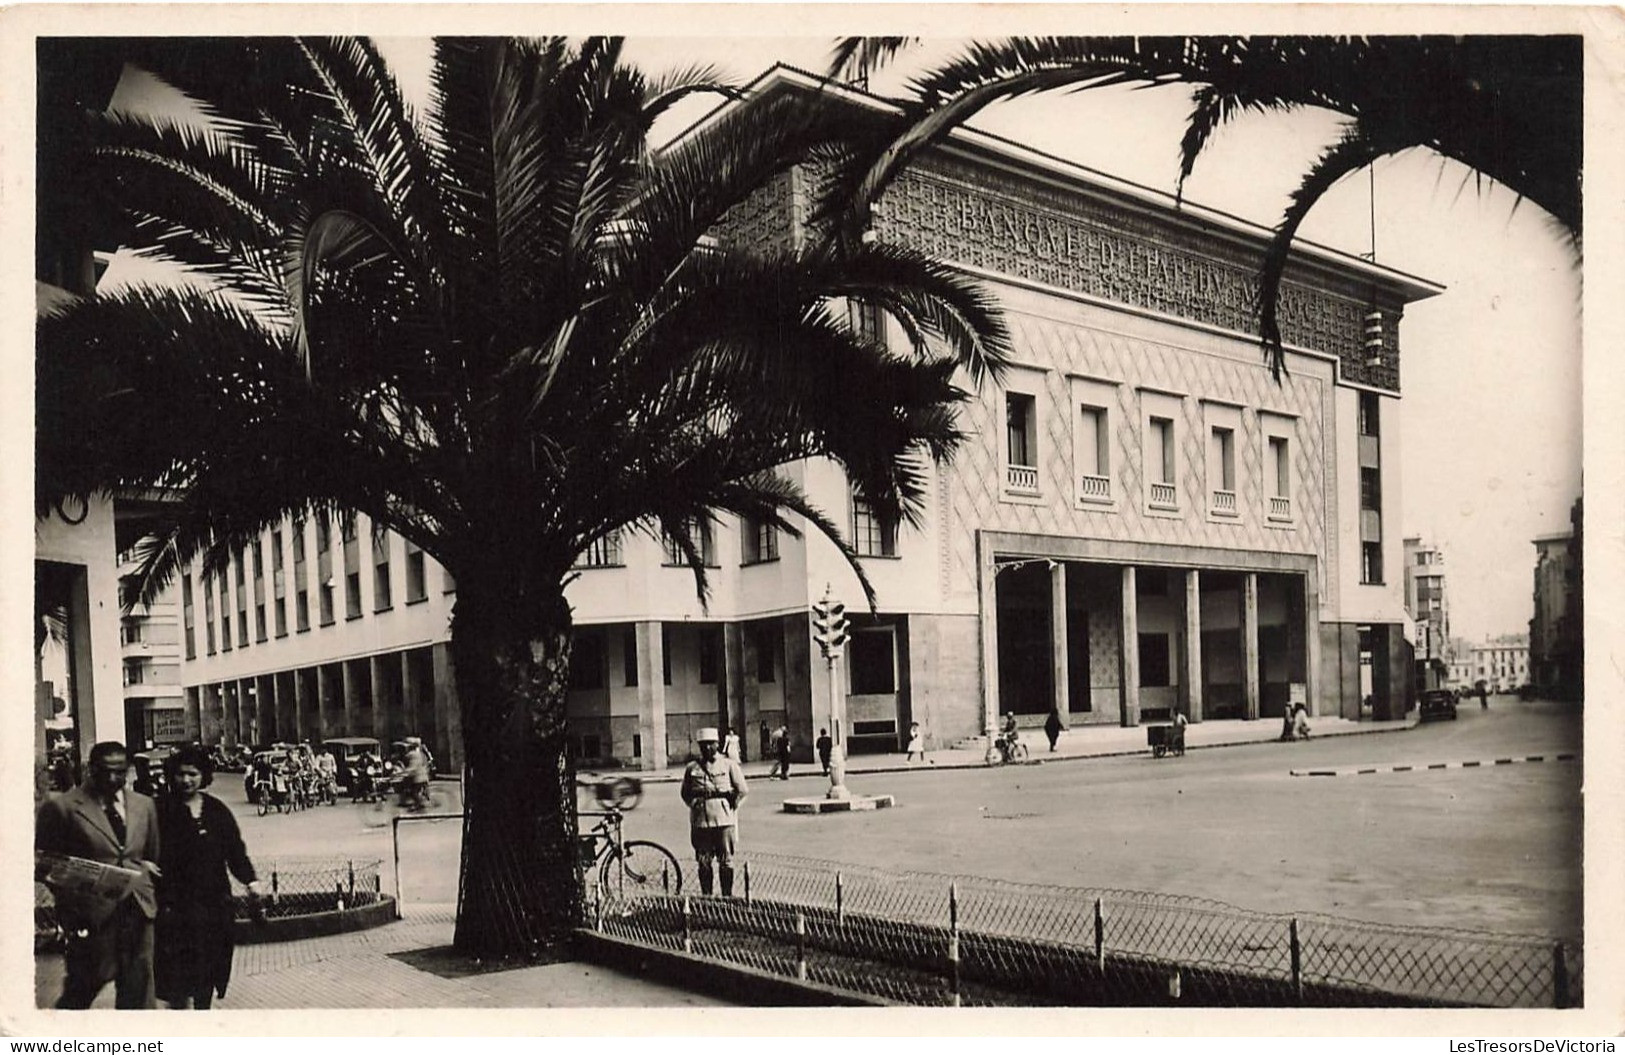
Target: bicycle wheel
(1018, 752)
(648, 866)
(265, 803)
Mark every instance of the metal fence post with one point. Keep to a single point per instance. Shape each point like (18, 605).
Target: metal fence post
(801, 945)
(1297, 961)
(1100, 938)
(840, 902)
(597, 908)
(273, 882)
(747, 882)
(953, 942)
(395, 844)
(1560, 976)
(351, 866)
(688, 929)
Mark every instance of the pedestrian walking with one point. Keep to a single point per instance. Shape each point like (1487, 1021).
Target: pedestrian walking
(767, 740)
(103, 821)
(1052, 726)
(201, 844)
(916, 743)
(784, 752)
(730, 744)
(713, 787)
(824, 745)
(1483, 696)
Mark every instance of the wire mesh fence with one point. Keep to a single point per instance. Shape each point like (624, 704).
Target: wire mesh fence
(921, 938)
(293, 886)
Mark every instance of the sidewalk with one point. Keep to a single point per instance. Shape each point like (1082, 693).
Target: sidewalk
(1079, 742)
(397, 966)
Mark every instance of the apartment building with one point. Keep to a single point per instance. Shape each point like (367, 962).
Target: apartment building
(1429, 606)
(1142, 520)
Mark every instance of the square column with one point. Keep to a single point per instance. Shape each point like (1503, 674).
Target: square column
(1131, 648)
(1062, 690)
(1193, 645)
(1311, 633)
(651, 695)
(446, 718)
(731, 691)
(1250, 696)
(987, 603)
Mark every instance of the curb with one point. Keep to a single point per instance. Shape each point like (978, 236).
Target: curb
(734, 982)
(1364, 770)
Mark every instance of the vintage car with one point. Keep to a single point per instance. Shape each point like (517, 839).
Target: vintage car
(1438, 703)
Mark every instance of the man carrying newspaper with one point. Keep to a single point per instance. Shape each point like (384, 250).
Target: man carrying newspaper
(97, 849)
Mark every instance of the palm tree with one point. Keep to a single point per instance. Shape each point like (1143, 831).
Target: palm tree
(503, 332)
(1507, 107)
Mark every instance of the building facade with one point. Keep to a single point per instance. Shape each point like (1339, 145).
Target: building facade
(1557, 630)
(1501, 663)
(1141, 521)
(1429, 606)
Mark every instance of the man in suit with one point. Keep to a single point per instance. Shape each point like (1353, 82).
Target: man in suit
(101, 820)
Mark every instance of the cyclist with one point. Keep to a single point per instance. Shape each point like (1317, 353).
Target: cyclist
(1009, 734)
(416, 776)
(713, 787)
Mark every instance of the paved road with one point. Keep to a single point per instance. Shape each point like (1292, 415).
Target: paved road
(1495, 848)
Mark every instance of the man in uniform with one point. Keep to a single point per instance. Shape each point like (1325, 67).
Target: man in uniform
(713, 787)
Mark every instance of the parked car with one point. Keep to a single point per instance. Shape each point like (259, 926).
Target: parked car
(1438, 703)
(148, 770)
(345, 750)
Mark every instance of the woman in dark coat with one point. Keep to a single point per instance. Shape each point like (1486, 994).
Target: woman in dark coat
(200, 841)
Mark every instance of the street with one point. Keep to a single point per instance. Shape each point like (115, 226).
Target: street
(1496, 848)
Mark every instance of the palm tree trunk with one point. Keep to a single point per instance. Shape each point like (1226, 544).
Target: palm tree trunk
(520, 890)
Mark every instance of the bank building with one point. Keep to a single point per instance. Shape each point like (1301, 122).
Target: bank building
(1142, 519)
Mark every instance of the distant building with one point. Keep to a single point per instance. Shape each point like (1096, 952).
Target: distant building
(150, 653)
(1556, 633)
(1429, 607)
(1501, 663)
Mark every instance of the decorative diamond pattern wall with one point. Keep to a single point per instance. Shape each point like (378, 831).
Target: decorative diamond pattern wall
(975, 481)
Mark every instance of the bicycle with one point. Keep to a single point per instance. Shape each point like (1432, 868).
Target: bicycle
(1007, 750)
(622, 862)
(396, 796)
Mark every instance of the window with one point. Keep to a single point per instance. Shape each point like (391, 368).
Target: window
(1371, 489)
(208, 614)
(710, 654)
(225, 612)
(761, 540)
(381, 595)
(417, 588)
(1160, 466)
(872, 535)
(629, 656)
(188, 616)
(874, 671)
(279, 587)
(352, 567)
(1222, 470)
(1094, 455)
(869, 322)
(301, 587)
(259, 591)
(602, 553)
(1021, 442)
(324, 569)
(1371, 563)
(587, 659)
(242, 599)
(1155, 669)
(700, 533)
(1278, 470)
(1370, 414)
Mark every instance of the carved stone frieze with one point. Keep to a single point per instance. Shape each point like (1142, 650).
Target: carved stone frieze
(1041, 234)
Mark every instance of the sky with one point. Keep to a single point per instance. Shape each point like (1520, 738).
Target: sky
(1490, 369)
